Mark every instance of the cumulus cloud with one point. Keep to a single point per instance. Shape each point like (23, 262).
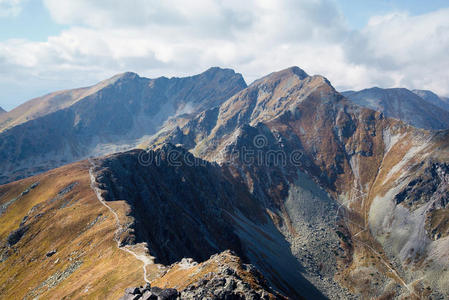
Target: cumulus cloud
(409, 51)
(175, 38)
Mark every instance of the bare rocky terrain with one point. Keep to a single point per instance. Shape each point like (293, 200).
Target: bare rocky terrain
(222, 276)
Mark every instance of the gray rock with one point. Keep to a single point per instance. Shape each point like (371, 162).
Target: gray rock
(147, 295)
(51, 253)
(168, 294)
(132, 291)
(15, 236)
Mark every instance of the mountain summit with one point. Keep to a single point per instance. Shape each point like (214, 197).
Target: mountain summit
(285, 73)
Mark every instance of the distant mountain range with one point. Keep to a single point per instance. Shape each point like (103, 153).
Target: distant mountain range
(442, 102)
(2, 111)
(422, 109)
(113, 115)
(316, 195)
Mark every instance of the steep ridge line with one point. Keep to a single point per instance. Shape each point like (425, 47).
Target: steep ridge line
(145, 259)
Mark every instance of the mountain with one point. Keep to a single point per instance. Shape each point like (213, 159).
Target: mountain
(315, 197)
(307, 144)
(433, 98)
(2, 111)
(113, 115)
(403, 104)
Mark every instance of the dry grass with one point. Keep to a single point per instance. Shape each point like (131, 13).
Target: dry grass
(105, 270)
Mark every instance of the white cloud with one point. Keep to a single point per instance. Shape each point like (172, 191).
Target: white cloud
(10, 8)
(173, 37)
(411, 51)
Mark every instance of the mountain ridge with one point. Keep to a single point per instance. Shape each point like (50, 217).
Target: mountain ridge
(121, 110)
(402, 104)
(433, 98)
(48, 103)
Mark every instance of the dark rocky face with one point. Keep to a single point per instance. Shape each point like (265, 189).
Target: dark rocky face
(183, 206)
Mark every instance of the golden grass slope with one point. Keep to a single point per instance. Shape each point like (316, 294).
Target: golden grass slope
(87, 263)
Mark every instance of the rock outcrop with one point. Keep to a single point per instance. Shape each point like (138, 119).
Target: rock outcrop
(222, 276)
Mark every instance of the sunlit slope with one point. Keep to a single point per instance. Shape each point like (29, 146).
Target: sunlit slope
(57, 240)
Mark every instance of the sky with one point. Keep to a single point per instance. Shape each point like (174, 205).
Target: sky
(48, 45)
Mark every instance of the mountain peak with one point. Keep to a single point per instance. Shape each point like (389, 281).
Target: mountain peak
(124, 76)
(217, 72)
(214, 70)
(284, 74)
(297, 71)
(292, 71)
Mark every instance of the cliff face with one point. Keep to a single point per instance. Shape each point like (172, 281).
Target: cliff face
(105, 118)
(187, 207)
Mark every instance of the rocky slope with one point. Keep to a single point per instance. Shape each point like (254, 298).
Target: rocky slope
(113, 115)
(416, 108)
(2, 111)
(354, 159)
(222, 276)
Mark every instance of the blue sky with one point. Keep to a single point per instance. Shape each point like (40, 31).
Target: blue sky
(46, 45)
(358, 12)
(33, 22)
